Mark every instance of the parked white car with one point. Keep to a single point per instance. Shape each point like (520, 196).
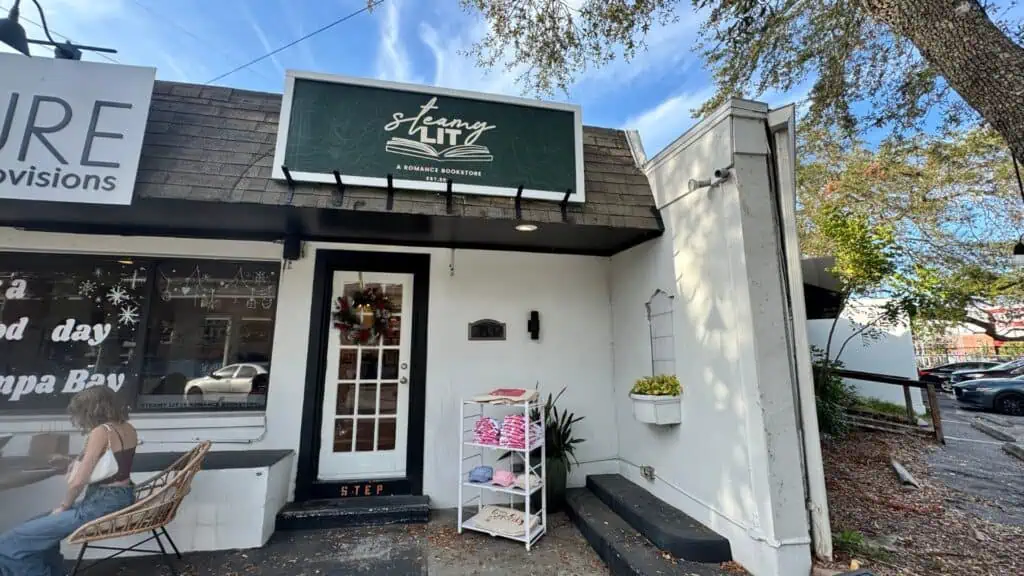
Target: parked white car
(234, 381)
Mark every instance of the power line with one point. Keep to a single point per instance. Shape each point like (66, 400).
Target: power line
(58, 34)
(166, 20)
(294, 42)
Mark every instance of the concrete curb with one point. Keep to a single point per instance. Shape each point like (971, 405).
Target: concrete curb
(997, 421)
(1014, 449)
(997, 434)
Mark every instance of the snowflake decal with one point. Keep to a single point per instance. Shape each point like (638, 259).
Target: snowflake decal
(129, 316)
(98, 272)
(117, 295)
(86, 288)
(261, 277)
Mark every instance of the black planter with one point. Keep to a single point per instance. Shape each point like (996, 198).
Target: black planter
(554, 483)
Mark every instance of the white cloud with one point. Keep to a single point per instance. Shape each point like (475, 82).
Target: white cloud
(660, 125)
(392, 59)
(262, 36)
(670, 50)
(453, 69)
(293, 13)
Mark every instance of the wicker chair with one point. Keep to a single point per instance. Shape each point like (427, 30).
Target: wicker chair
(156, 503)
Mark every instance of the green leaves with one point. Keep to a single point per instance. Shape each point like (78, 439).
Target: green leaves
(659, 385)
(558, 433)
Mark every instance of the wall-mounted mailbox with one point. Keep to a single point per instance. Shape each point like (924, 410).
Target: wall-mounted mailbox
(486, 329)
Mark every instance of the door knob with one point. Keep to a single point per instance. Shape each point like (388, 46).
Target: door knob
(403, 380)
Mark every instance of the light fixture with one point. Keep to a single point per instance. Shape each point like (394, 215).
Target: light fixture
(12, 33)
(526, 227)
(126, 261)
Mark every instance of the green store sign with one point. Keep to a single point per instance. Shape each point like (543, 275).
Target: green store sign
(423, 137)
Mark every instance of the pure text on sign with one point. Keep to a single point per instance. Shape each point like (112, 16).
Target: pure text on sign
(46, 119)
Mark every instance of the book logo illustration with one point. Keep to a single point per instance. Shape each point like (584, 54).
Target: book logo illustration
(438, 138)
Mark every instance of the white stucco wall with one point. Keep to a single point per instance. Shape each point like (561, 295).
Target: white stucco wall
(891, 353)
(734, 463)
(570, 292)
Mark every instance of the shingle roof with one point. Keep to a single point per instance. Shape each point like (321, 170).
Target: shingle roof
(217, 144)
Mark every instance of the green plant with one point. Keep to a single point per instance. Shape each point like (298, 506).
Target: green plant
(660, 385)
(832, 395)
(849, 541)
(558, 434)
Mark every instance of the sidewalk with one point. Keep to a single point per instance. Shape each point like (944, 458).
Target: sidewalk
(434, 548)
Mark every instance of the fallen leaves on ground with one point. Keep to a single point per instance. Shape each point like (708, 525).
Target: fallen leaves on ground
(931, 536)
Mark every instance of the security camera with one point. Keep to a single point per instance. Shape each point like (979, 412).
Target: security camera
(698, 184)
(722, 173)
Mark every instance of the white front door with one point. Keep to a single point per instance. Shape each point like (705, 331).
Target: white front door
(366, 389)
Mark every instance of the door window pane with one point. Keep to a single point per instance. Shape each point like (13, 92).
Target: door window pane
(386, 434)
(367, 398)
(346, 399)
(364, 434)
(343, 435)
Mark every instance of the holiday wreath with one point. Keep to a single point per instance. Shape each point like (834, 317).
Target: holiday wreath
(349, 321)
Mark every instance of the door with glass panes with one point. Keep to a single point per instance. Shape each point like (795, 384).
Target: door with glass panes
(364, 427)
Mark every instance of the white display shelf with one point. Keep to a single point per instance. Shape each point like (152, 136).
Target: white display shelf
(509, 490)
(490, 455)
(503, 448)
(539, 529)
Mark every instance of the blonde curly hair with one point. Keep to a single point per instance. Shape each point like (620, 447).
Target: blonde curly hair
(96, 406)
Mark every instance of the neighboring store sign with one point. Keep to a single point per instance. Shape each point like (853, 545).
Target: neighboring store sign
(71, 131)
(424, 136)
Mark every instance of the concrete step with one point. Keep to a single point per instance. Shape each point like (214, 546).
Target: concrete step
(661, 523)
(623, 549)
(358, 511)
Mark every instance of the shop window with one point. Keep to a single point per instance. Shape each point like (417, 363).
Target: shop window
(209, 335)
(166, 335)
(67, 323)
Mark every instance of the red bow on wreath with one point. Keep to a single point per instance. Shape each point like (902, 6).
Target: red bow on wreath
(348, 319)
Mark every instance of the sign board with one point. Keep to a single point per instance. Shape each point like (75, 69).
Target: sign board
(71, 131)
(424, 136)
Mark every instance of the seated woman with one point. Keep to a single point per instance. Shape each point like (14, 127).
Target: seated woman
(33, 548)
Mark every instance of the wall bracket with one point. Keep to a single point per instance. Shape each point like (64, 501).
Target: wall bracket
(291, 183)
(339, 191)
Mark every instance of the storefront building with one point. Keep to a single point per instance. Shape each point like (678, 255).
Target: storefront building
(516, 246)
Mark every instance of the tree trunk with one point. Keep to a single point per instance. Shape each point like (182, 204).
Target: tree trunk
(982, 64)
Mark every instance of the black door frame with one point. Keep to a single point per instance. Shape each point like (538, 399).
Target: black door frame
(307, 487)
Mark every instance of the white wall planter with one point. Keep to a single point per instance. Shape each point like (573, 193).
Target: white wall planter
(660, 410)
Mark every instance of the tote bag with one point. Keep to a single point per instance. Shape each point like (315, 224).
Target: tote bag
(106, 467)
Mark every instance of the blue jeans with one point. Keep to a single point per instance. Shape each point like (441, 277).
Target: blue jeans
(33, 548)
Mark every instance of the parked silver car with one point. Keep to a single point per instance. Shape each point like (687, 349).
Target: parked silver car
(232, 382)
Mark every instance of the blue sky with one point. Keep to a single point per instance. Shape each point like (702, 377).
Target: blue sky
(404, 40)
(415, 41)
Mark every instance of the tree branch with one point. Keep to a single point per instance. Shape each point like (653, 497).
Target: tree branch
(989, 328)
